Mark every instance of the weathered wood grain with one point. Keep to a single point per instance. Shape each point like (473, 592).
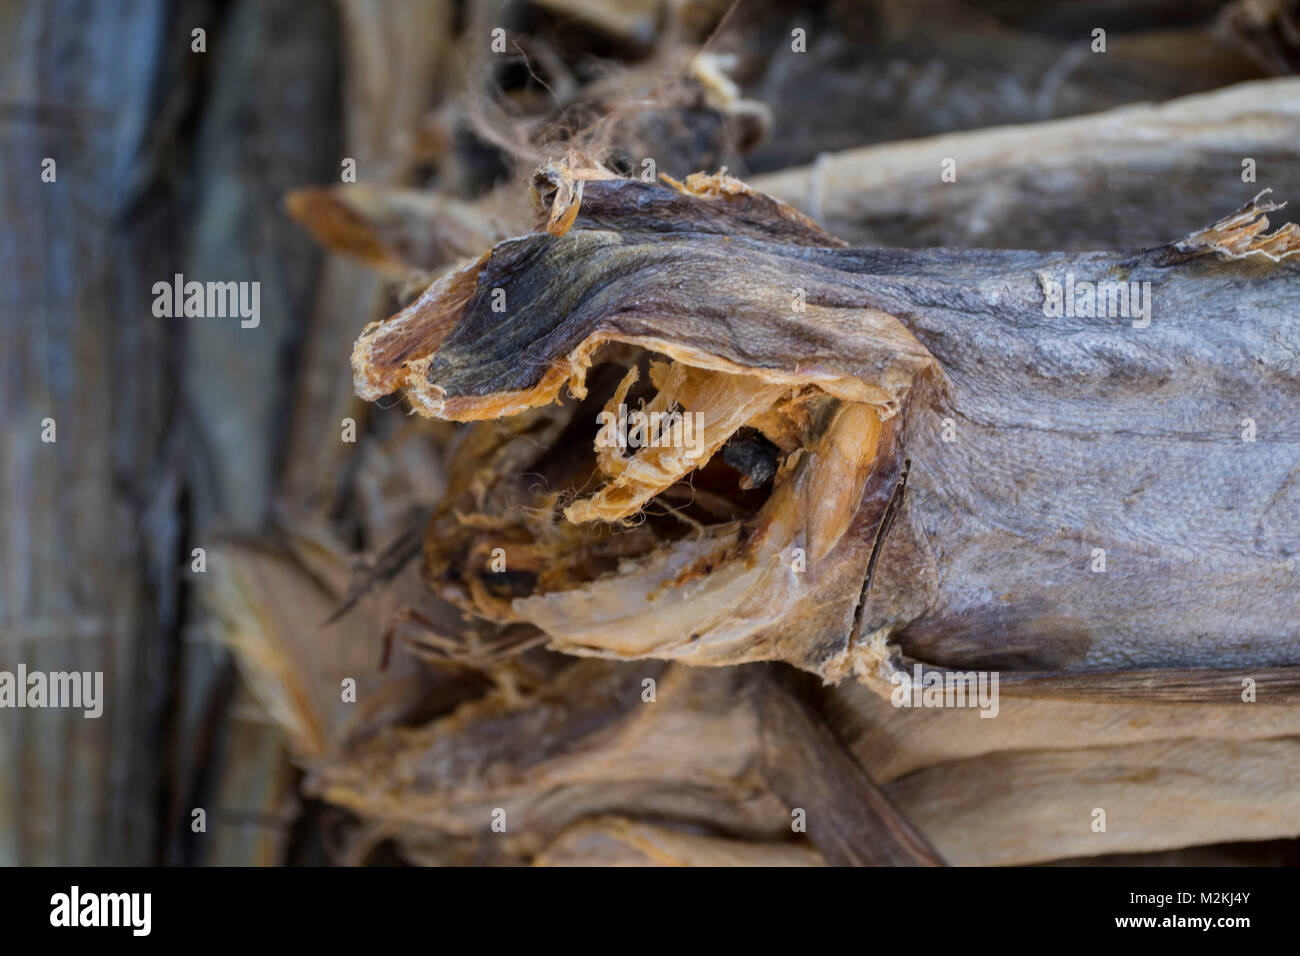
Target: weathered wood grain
(90, 541)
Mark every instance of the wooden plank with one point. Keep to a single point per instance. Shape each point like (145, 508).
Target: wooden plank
(90, 538)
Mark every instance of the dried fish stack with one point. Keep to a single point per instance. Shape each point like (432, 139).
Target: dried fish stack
(777, 550)
(672, 434)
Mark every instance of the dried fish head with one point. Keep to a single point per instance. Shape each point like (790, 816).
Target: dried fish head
(649, 543)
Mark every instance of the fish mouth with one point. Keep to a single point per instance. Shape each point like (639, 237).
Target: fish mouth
(637, 483)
